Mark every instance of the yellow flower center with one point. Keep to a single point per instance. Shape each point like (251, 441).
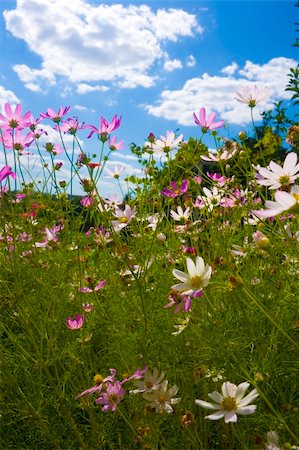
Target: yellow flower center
(148, 384)
(98, 379)
(113, 398)
(124, 220)
(284, 180)
(229, 404)
(196, 282)
(161, 399)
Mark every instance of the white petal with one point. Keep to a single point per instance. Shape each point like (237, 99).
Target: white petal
(216, 397)
(290, 162)
(231, 417)
(216, 416)
(206, 405)
(180, 275)
(249, 398)
(241, 389)
(200, 265)
(250, 409)
(191, 267)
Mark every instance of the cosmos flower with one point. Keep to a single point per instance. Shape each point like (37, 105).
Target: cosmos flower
(168, 143)
(180, 214)
(14, 119)
(205, 123)
(195, 280)
(251, 96)
(105, 127)
(150, 382)
(55, 116)
(276, 176)
(162, 398)
(175, 190)
(284, 201)
(111, 397)
(123, 217)
(6, 172)
(76, 323)
(230, 402)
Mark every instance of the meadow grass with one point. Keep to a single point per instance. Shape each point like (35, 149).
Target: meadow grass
(243, 328)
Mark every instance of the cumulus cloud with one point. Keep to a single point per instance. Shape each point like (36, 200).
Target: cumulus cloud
(84, 88)
(172, 64)
(7, 96)
(231, 69)
(90, 42)
(217, 93)
(35, 80)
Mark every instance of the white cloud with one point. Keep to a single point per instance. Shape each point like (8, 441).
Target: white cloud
(90, 42)
(217, 93)
(35, 80)
(83, 108)
(172, 64)
(191, 61)
(231, 69)
(7, 96)
(84, 88)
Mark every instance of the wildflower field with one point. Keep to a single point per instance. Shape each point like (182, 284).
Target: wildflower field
(164, 319)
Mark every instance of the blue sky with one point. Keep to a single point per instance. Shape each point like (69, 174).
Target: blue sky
(153, 62)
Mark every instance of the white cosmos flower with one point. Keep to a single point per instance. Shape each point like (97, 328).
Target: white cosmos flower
(276, 176)
(220, 156)
(168, 143)
(284, 201)
(251, 96)
(161, 398)
(230, 402)
(180, 214)
(196, 279)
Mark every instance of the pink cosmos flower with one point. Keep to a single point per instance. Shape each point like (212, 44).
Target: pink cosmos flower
(99, 286)
(55, 116)
(209, 123)
(175, 190)
(14, 119)
(105, 127)
(76, 323)
(87, 307)
(70, 126)
(34, 122)
(6, 172)
(114, 145)
(99, 383)
(56, 149)
(112, 397)
(16, 141)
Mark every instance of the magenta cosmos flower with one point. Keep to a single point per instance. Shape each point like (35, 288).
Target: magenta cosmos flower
(14, 119)
(76, 323)
(71, 126)
(105, 127)
(99, 383)
(6, 172)
(16, 141)
(175, 190)
(55, 116)
(111, 398)
(205, 123)
(99, 286)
